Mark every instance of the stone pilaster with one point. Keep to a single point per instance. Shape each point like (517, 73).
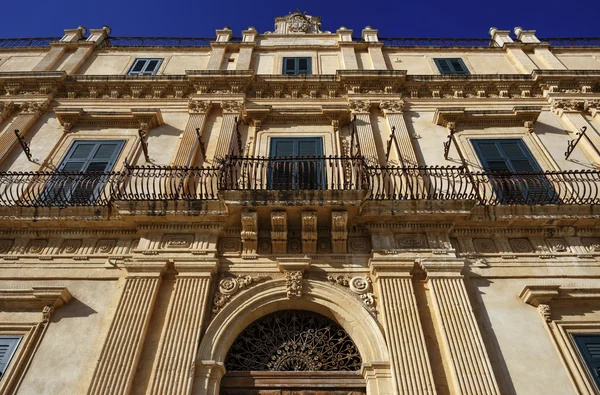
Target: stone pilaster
(120, 354)
(375, 48)
(520, 59)
(6, 108)
(364, 130)
(393, 113)
(171, 373)
(246, 48)
(347, 49)
(231, 110)
(29, 113)
(462, 342)
(548, 58)
(403, 330)
(188, 145)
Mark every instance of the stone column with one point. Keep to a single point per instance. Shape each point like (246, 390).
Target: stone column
(462, 342)
(231, 110)
(172, 373)
(121, 351)
(29, 113)
(364, 131)
(393, 113)
(403, 330)
(572, 112)
(188, 145)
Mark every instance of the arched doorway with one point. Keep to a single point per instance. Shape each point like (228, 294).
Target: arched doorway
(293, 351)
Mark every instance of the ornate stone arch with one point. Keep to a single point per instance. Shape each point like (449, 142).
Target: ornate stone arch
(271, 296)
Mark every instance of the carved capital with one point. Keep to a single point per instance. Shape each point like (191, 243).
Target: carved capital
(593, 106)
(562, 105)
(451, 126)
(35, 108)
(6, 108)
(392, 106)
(199, 106)
(359, 106)
(232, 107)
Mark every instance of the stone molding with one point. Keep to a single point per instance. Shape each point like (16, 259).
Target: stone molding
(142, 118)
(520, 115)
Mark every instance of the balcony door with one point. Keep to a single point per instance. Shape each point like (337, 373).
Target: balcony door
(505, 157)
(296, 163)
(81, 174)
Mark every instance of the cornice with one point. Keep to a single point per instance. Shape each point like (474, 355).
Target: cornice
(143, 118)
(34, 298)
(458, 115)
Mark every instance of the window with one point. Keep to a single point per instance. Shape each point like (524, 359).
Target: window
(145, 67)
(8, 345)
(296, 66)
(589, 348)
(295, 163)
(451, 66)
(80, 175)
(505, 157)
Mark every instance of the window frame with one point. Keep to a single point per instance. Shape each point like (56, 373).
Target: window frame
(440, 62)
(295, 164)
(297, 71)
(144, 70)
(65, 160)
(16, 341)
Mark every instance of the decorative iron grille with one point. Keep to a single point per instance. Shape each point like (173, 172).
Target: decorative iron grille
(293, 340)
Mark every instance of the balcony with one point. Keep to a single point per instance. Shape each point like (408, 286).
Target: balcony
(334, 181)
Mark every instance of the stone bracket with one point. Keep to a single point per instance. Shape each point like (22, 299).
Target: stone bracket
(279, 232)
(309, 232)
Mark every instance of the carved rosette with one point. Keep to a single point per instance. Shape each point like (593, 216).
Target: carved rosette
(229, 287)
(293, 283)
(360, 286)
(199, 106)
(359, 106)
(232, 107)
(392, 106)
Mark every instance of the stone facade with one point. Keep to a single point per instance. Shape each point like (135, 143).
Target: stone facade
(440, 276)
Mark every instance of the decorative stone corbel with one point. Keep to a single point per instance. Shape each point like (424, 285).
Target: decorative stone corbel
(309, 232)
(279, 232)
(528, 126)
(249, 234)
(540, 296)
(293, 270)
(339, 231)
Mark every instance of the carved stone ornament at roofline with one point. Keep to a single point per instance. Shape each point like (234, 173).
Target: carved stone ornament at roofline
(297, 23)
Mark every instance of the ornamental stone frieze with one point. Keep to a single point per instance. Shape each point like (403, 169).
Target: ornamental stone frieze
(360, 286)
(229, 286)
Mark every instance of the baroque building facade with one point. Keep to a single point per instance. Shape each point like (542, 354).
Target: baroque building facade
(299, 212)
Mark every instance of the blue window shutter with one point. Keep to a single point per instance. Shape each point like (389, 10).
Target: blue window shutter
(8, 346)
(89, 157)
(589, 347)
(507, 156)
(295, 165)
(296, 66)
(451, 66)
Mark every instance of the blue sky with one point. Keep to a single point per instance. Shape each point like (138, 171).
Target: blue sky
(198, 18)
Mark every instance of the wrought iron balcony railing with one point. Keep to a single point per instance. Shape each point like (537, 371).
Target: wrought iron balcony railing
(156, 183)
(487, 188)
(298, 173)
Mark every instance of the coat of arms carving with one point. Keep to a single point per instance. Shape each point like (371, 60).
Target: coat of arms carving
(298, 23)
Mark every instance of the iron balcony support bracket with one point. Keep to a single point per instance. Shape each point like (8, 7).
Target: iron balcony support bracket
(24, 145)
(144, 144)
(573, 143)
